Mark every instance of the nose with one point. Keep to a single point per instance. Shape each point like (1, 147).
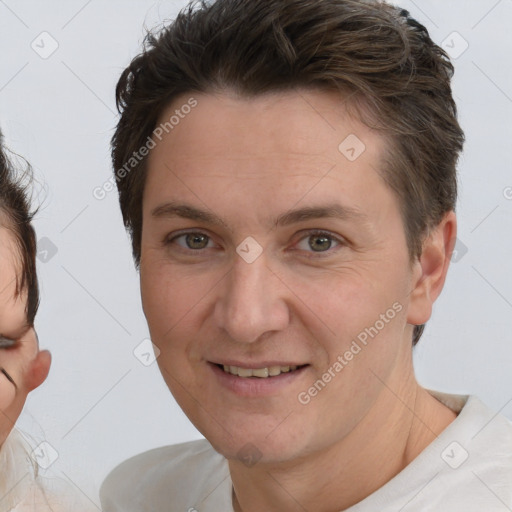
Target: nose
(251, 302)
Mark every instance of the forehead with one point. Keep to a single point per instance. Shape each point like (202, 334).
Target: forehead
(10, 264)
(12, 308)
(274, 149)
(306, 125)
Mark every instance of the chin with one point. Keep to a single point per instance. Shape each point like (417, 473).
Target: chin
(256, 445)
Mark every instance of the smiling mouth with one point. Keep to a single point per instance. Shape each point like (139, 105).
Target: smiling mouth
(262, 373)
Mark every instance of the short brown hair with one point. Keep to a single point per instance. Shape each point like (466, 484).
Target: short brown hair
(379, 57)
(16, 215)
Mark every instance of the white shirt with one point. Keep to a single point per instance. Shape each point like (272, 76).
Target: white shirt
(23, 490)
(467, 468)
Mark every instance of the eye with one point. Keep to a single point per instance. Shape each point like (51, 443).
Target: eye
(318, 242)
(6, 342)
(191, 241)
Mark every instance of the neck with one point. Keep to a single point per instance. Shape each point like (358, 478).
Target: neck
(396, 430)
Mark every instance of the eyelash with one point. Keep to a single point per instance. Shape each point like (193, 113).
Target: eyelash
(6, 342)
(319, 233)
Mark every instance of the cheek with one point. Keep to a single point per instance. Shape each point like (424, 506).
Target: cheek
(7, 393)
(170, 297)
(358, 317)
(344, 301)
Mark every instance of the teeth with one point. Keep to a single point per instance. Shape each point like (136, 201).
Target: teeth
(244, 372)
(274, 370)
(262, 373)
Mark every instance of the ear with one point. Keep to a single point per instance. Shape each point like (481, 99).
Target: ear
(38, 370)
(430, 270)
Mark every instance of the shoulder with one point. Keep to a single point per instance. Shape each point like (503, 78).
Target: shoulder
(484, 434)
(17, 468)
(23, 490)
(169, 474)
(490, 444)
(476, 450)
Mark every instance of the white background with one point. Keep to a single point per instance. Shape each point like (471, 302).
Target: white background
(100, 404)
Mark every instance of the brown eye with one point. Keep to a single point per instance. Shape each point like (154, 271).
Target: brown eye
(191, 241)
(320, 243)
(196, 240)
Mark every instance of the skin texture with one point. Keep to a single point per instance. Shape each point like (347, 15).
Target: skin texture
(248, 161)
(25, 363)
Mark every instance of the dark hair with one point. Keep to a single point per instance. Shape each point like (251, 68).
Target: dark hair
(15, 215)
(375, 54)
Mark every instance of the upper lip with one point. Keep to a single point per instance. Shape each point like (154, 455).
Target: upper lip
(256, 364)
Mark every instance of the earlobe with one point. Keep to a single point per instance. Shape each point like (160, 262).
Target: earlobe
(431, 269)
(38, 370)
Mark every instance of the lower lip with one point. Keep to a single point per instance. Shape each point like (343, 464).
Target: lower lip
(256, 386)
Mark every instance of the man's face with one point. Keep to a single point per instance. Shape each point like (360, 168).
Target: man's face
(334, 262)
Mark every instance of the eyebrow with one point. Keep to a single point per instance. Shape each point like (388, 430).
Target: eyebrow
(334, 211)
